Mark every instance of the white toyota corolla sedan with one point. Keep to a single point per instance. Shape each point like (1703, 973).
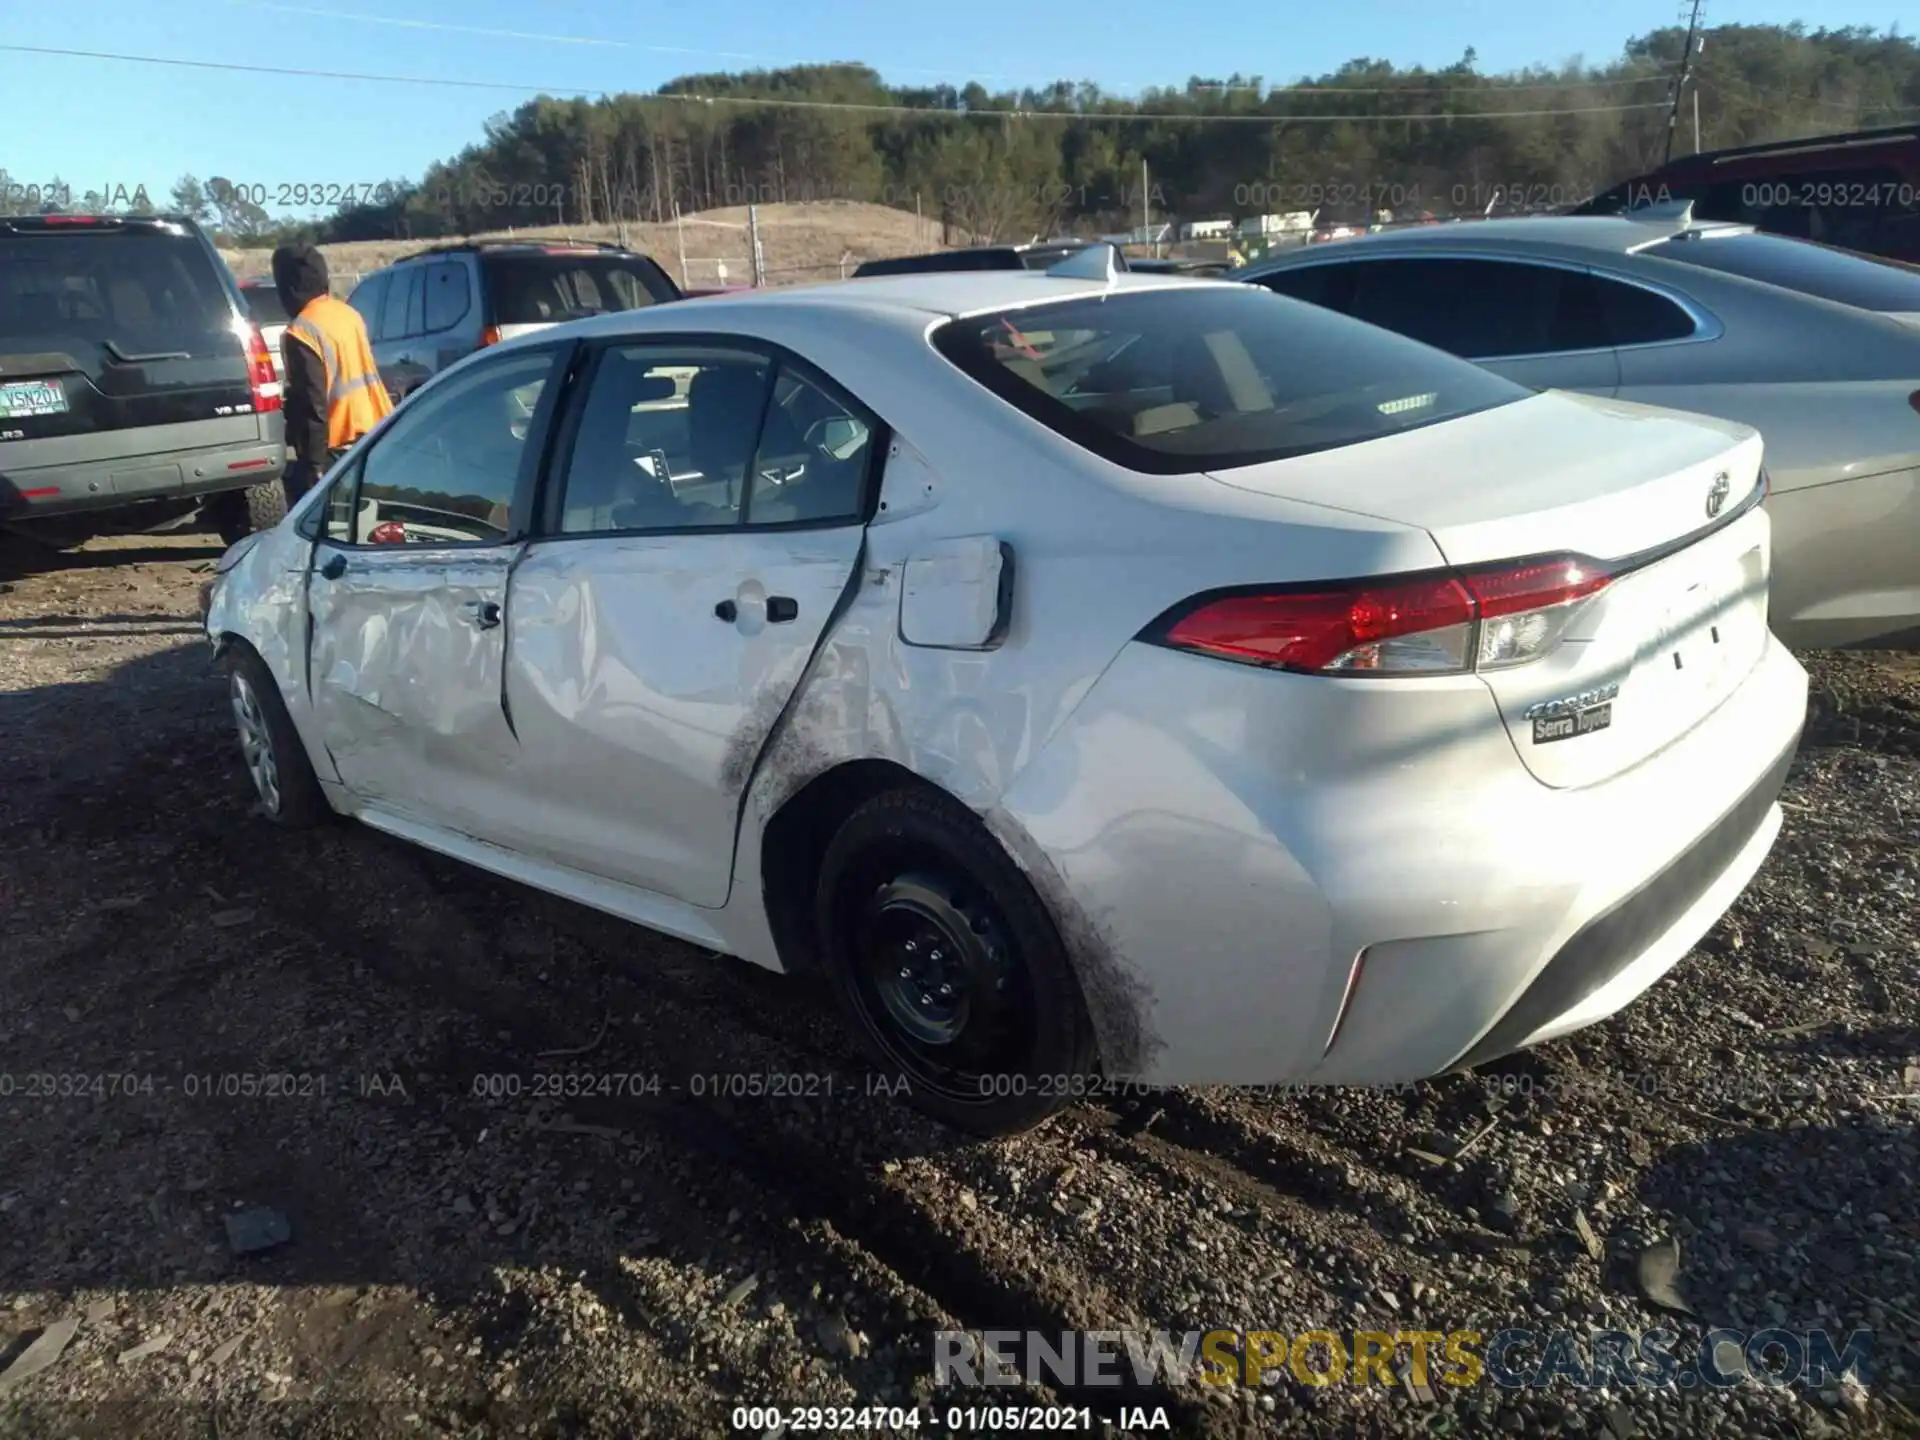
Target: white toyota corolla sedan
(1132, 677)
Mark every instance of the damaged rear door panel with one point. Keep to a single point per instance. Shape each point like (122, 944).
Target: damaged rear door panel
(644, 675)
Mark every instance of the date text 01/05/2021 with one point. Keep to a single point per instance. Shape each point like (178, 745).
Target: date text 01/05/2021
(949, 1419)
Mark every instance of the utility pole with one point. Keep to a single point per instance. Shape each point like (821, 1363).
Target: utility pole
(1696, 119)
(1686, 73)
(1146, 222)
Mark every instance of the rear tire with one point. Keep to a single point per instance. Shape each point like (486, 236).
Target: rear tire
(276, 760)
(240, 513)
(949, 968)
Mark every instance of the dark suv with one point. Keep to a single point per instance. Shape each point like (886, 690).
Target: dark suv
(130, 375)
(1859, 191)
(436, 307)
(1041, 256)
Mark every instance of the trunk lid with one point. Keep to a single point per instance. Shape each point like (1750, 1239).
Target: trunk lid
(116, 329)
(1654, 653)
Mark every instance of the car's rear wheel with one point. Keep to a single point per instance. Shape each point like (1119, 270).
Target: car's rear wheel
(949, 965)
(237, 514)
(276, 760)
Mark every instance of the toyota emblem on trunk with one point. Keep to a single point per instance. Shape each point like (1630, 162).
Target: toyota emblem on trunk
(1717, 494)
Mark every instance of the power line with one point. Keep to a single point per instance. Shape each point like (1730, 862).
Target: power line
(783, 103)
(454, 27)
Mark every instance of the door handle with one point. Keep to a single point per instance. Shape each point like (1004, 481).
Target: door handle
(781, 609)
(727, 611)
(335, 567)
(484, 613)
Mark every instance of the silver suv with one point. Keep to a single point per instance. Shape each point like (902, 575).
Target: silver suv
(427, 311)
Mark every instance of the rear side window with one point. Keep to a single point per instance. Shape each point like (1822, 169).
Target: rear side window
(447, 299)
(1867, 281)
(263, 305)
(549, 289)
(1481, 309)
(1179, 381)
(1632, 315)
(138, 292)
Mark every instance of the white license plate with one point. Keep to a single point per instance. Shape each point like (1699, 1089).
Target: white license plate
(22, 398)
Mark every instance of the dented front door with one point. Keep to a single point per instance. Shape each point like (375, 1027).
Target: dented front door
(406, 671)
(644, 674)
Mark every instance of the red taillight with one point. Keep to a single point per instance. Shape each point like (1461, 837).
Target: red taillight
(1485, 618)
(72, 220)
(489, 336)
(266, 384)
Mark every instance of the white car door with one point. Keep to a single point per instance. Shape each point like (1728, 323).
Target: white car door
(704, 521)
(408, 596)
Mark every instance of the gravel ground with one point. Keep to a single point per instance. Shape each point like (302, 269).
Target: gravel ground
(486, 1240)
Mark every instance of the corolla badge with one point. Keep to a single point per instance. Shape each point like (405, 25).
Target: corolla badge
(1717, 494)
(1573, 715)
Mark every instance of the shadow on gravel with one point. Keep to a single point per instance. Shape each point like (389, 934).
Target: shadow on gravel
(433, 1074)
(22, 556)
(1811, 1227)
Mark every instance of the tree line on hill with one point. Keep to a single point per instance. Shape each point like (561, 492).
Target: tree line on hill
(1071, 157)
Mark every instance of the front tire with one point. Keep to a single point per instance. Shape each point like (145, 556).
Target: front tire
(276, 760)
(949, 967)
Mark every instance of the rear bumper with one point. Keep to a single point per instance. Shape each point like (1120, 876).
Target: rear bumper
(171, 475)
(1304, 881)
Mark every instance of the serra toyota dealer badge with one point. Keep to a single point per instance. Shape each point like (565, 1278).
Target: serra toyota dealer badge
(1573, 716)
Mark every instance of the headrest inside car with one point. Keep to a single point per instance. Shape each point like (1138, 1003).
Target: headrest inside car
(654, 387)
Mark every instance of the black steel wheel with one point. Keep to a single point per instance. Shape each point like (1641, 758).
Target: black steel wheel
(951, 970)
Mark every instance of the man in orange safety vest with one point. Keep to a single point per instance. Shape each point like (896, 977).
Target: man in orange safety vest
(333, 393)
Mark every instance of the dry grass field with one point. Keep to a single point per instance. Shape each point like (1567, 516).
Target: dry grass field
(798, 243)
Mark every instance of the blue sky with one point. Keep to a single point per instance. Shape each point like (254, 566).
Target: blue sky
(104, 123)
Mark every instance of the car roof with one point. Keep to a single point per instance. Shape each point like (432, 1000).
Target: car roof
(918, 296)
(1588, 234)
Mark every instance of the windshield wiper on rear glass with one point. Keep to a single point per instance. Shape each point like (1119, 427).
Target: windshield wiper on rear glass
(128, 359)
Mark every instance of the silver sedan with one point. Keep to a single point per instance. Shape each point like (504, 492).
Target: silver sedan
(1817, 348)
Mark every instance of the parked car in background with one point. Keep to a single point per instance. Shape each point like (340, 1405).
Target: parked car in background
(429, 310)
(1815, 347)
(1860, 191)
(1039, 256)
(263, 305)
(131, 377)
(782, 628)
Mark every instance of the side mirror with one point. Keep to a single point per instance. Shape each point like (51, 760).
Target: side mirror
(839, 436)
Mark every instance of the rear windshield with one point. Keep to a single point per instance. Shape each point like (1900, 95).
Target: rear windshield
(1174, 381)
(546, 289)
(263, 304)
(144, 293)
(1867, 281)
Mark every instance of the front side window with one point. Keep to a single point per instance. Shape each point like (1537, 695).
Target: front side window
(447, 470)
(1187, 380)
